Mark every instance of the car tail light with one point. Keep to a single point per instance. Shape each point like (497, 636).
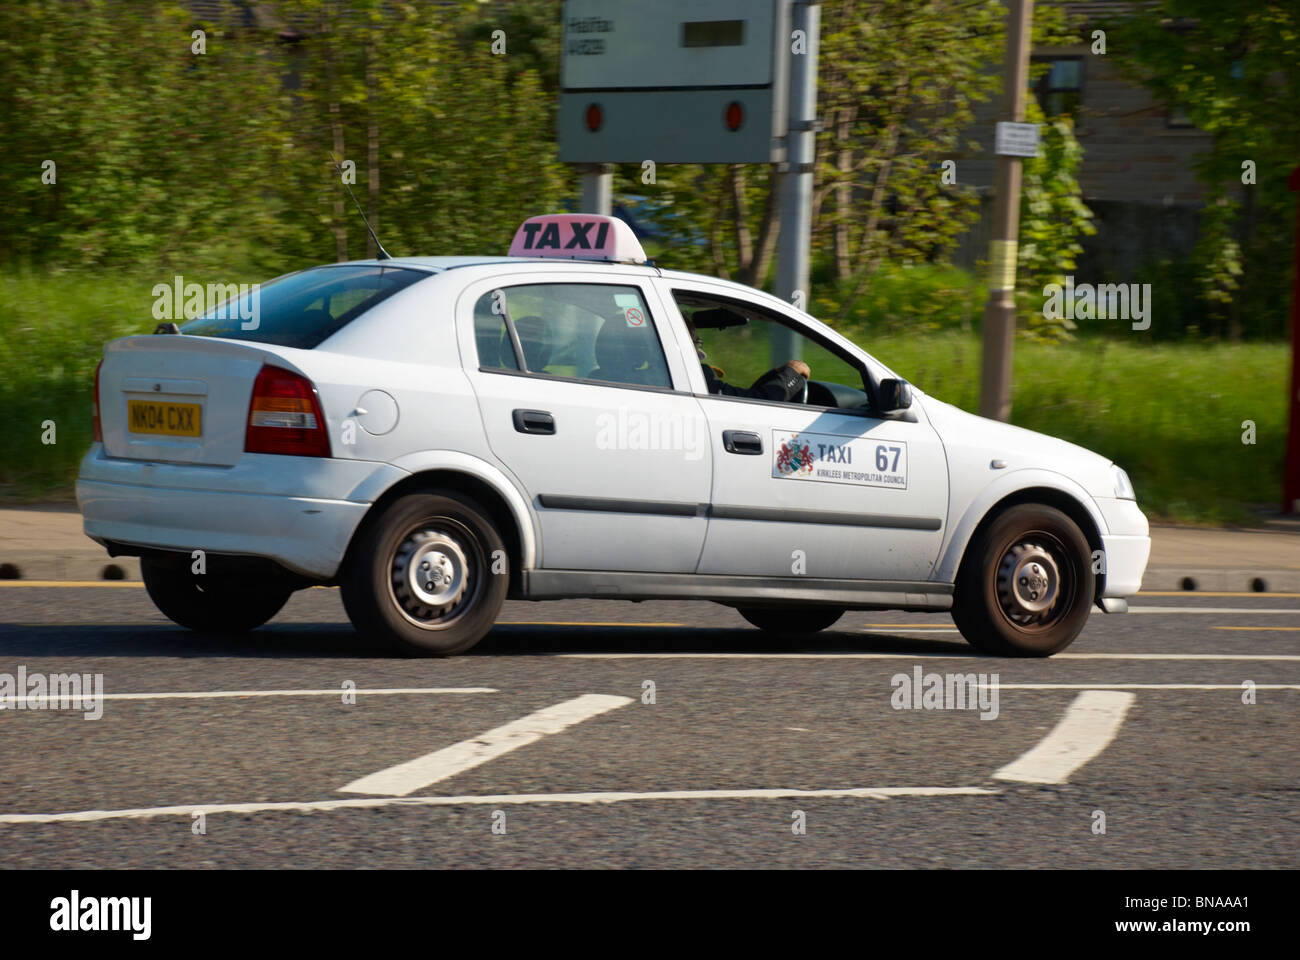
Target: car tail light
(284, 416)
(96, 427)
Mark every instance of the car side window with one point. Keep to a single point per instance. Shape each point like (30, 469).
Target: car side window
(737, 343)
(582, 331)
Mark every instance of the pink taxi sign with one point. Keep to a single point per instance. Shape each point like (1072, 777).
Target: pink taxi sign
(577, 236)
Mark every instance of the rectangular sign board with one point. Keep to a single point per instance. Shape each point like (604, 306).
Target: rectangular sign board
(674, 81)
(1015, 139)
(831, 458)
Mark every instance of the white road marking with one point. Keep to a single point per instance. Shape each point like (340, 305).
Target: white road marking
(588, 623)
(1293, 611)
(1089, 725)
(221, 694)
(1260, 594)
(914, 633)
(1270, 629)
(1137, 686)
(1176, 656)
(406, 778)
(908, 626)
(320, 806)
(917, 656)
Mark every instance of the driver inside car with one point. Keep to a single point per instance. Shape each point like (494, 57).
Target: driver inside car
(784, 384)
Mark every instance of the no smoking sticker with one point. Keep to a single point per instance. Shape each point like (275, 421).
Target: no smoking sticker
(635, 318)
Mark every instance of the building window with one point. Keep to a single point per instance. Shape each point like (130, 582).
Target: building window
(1059, 89)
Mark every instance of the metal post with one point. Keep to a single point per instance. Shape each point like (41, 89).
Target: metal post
(1291, 474)
(1000, 314)
(597, 188)
(792, 252)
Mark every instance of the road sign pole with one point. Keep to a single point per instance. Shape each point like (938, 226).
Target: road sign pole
(793, 243)
(1000, 313)
(597, 188)
(1291, 476)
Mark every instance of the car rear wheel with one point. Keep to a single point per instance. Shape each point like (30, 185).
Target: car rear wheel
(1026, 586)
(211, 603)
(428, 576)
(791, 621)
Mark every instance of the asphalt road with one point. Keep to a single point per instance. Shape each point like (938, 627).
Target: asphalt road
(543, 732)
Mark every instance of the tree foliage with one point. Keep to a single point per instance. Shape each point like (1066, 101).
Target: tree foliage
(1235, 70)
(225, 159)
(1053, 218)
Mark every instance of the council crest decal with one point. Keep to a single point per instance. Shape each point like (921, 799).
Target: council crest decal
(794, 458)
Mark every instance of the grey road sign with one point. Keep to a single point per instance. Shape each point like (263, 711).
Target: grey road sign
(674, 81)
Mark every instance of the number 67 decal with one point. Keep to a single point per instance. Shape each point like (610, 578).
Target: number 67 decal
(882, 458)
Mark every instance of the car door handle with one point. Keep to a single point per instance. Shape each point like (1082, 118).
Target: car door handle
(533, 421)
(742, 442)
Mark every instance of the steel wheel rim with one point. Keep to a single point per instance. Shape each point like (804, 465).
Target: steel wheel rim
(1036, 581)
(435, 573)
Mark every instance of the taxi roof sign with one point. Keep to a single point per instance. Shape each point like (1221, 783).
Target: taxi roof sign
(577, 236)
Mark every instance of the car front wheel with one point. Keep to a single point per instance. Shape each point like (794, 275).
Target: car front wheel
(428, 576)
(1025, 588)
(209, 603)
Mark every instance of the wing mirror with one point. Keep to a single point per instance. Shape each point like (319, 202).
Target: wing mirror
(894, 395)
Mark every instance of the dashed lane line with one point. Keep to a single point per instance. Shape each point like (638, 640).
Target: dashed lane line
(406, 778)
(1090, 723)
(1088, 727)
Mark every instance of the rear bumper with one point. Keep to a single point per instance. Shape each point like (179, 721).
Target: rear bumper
(153, 505)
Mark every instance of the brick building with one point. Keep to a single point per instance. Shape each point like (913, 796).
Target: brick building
(1137, 173)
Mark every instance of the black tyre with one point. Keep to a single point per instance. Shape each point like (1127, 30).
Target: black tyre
(791, 621)
(1025, 587)
(211, 603)
(421, 578)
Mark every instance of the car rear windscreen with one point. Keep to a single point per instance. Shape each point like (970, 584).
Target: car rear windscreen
(303, 309)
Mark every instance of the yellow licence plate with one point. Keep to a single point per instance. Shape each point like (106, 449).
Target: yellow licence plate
(169, 419)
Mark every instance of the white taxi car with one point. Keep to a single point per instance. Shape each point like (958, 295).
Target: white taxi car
(434, 435)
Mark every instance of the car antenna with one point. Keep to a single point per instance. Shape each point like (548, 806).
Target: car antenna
(383, 254)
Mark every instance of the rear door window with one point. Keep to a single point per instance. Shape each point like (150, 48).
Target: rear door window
(306, 308)
(581, 331)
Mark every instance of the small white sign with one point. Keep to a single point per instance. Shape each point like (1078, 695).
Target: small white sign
(832, 458)
(1016, 139)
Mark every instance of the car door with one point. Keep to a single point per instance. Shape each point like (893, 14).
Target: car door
(581, 403)
(818, 490)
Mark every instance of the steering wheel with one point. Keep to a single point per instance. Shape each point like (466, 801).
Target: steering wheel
(772, 375)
